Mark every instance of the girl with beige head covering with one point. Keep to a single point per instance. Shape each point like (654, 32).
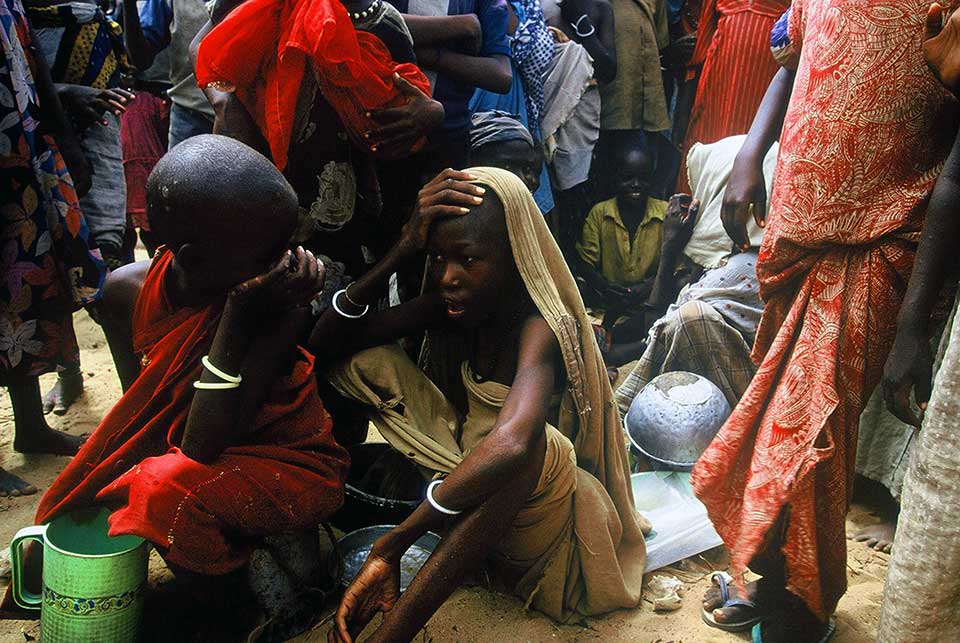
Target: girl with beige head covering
(524, 444)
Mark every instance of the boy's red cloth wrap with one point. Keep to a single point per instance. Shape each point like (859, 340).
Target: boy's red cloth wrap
(288, 474)
(262, 48)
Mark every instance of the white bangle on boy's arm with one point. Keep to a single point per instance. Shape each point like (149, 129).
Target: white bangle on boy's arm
(215, 386)
(226, 377)
(227, 381)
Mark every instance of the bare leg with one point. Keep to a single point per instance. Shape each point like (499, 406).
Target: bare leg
(460, 553)
(32, 433)
(68, 388)
(786, 617)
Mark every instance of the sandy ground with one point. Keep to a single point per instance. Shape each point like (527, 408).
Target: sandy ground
(472, 614)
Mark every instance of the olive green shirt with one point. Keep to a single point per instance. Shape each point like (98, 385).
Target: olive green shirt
(606, 245)
(635, 99)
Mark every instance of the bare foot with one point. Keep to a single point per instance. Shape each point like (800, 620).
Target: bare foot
(941, 46)
(68, 388)
(47, 440)
(879, 537)
(735, 614)
(14, 486)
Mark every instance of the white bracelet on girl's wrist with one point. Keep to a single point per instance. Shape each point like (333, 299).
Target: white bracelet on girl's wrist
(436, 505)
(341, 311)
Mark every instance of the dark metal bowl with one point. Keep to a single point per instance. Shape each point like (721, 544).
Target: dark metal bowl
(364, 509)
(356, 546)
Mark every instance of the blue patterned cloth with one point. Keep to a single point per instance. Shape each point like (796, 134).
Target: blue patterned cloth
(780, 44)
(532, 51)
(532, 47)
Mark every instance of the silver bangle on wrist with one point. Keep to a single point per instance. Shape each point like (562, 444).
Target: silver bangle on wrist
(436, 505)
(343, 313)
(346, 293)
(226, 382)
(207, 364)
(576, 26)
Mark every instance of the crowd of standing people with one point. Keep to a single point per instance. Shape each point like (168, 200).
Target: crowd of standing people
(485, 226)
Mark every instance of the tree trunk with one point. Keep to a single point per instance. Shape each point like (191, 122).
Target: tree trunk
(922, 597)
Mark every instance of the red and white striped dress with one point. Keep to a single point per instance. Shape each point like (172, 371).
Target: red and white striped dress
(736, 67)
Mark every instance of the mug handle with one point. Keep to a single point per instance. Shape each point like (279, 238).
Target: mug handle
(23, 598)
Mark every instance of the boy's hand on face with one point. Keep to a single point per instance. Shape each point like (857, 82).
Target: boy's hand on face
(293, 281)
(941, 46)
(679, 220)
(448, 194)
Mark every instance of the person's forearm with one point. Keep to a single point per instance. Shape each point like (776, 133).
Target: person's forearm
(335, 336)
(139, 49)
(664, 290)
(213, 413)
(491, 73)
(52, 115)
(452, 32)
(591, 275)
(768, 123)
(491, 466)
(368, 289)
(235, 121)
(936, 256)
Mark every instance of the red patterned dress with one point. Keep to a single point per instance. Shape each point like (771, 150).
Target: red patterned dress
(735, 66)
(865, 136)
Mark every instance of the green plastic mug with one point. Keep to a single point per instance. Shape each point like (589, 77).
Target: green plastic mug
(92, 583)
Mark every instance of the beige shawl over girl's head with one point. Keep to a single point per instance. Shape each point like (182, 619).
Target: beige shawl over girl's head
(595, 428)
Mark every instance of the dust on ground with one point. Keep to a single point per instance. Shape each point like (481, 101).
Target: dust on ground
(472, 614)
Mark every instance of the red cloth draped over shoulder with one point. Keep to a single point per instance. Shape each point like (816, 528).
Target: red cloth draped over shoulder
(288, 474)
(262, 48)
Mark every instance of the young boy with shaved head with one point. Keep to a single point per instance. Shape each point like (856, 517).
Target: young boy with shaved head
(220, 439)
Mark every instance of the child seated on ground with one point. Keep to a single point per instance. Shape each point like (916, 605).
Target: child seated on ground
(709, 328)
(220, 439)
(619, 248)
(539, 491)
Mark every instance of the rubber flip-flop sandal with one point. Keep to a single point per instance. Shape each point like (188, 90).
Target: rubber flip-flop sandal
(756, 635)
(722, 580)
